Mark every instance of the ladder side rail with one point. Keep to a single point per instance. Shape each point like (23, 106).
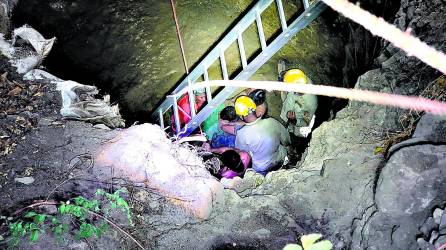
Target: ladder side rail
(161, 119)
(191, 100)
(175, 113)
(301, 22)
(241, 26)
(208, 89)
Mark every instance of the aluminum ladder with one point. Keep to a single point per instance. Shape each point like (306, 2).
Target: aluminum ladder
(312, 10)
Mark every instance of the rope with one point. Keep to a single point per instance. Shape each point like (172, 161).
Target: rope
(180, 40)
(406, 102)
(413, 46)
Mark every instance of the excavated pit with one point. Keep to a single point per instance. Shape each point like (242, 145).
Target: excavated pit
(129, 49)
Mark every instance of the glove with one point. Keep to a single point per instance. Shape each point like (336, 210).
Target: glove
(305, 131)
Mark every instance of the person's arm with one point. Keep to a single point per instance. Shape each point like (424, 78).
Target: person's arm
(284, 134)
(283, 95)
(306, 110)
(230, 183)
(230, 127)
(220, 150)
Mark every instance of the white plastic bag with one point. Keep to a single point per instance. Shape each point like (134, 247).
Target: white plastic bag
(40, 44)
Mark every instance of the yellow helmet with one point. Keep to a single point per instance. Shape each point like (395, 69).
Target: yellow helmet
(244, 105)
(295, 76)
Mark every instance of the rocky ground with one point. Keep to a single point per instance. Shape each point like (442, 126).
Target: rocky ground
(352, 186)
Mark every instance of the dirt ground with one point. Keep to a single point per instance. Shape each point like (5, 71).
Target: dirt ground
(22, 105)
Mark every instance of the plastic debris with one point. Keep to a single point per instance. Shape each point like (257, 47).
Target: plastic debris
(21, 56)
(78, 103)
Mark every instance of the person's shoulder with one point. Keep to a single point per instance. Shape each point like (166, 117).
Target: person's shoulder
(270, 120)
(273, 121)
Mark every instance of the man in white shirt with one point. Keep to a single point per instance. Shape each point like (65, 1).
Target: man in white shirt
(263, 139)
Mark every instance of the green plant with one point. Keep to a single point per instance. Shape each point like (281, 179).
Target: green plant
(308, 243)
(85, 217)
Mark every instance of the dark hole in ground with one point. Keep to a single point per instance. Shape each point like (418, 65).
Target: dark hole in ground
(84, 27)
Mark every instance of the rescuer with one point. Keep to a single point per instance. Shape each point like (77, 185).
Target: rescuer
(184, 112)
(298, 110)
(264, 139)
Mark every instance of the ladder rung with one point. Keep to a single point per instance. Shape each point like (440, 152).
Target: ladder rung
(161, 119)
(224, 68)
(241, 48)
(175, 112)
(191, 99)
(208, 89)
(260, 30)
(306, 4)
(281, 15)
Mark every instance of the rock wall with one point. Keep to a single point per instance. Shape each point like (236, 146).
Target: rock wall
(342, 179)
(5, 14)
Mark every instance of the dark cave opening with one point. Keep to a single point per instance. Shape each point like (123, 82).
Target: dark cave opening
(83, 28)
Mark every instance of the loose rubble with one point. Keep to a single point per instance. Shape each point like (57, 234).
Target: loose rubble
(434, 231)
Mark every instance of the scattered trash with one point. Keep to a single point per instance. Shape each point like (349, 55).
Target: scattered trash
(78, 103)
(40, 75)
(40, 44)
(23, 56)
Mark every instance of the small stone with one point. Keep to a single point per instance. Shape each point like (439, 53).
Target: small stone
(437, 215)
(154, 205)
(442, 227)
(48, 209)
(428, 226)
(78, 246)
(262, 233)
(25, 180)
(142, 196)
(101, 126)
(441, 241)
(44, 122)
(422, 244)
(434, 236)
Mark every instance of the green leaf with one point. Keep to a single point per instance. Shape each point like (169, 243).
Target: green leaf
(378, 150)
(322, 245)
(97, 231)
(308, 240)
(85, 230)
(104, 227)
(33, 226)
(30, 214)
(100, 192)
(292, 247)
(58, 230)
(34, 236)
(39, 218)
(113, 205)
(78, 212)
(80, 200)
(54, 220)
(62, 208)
